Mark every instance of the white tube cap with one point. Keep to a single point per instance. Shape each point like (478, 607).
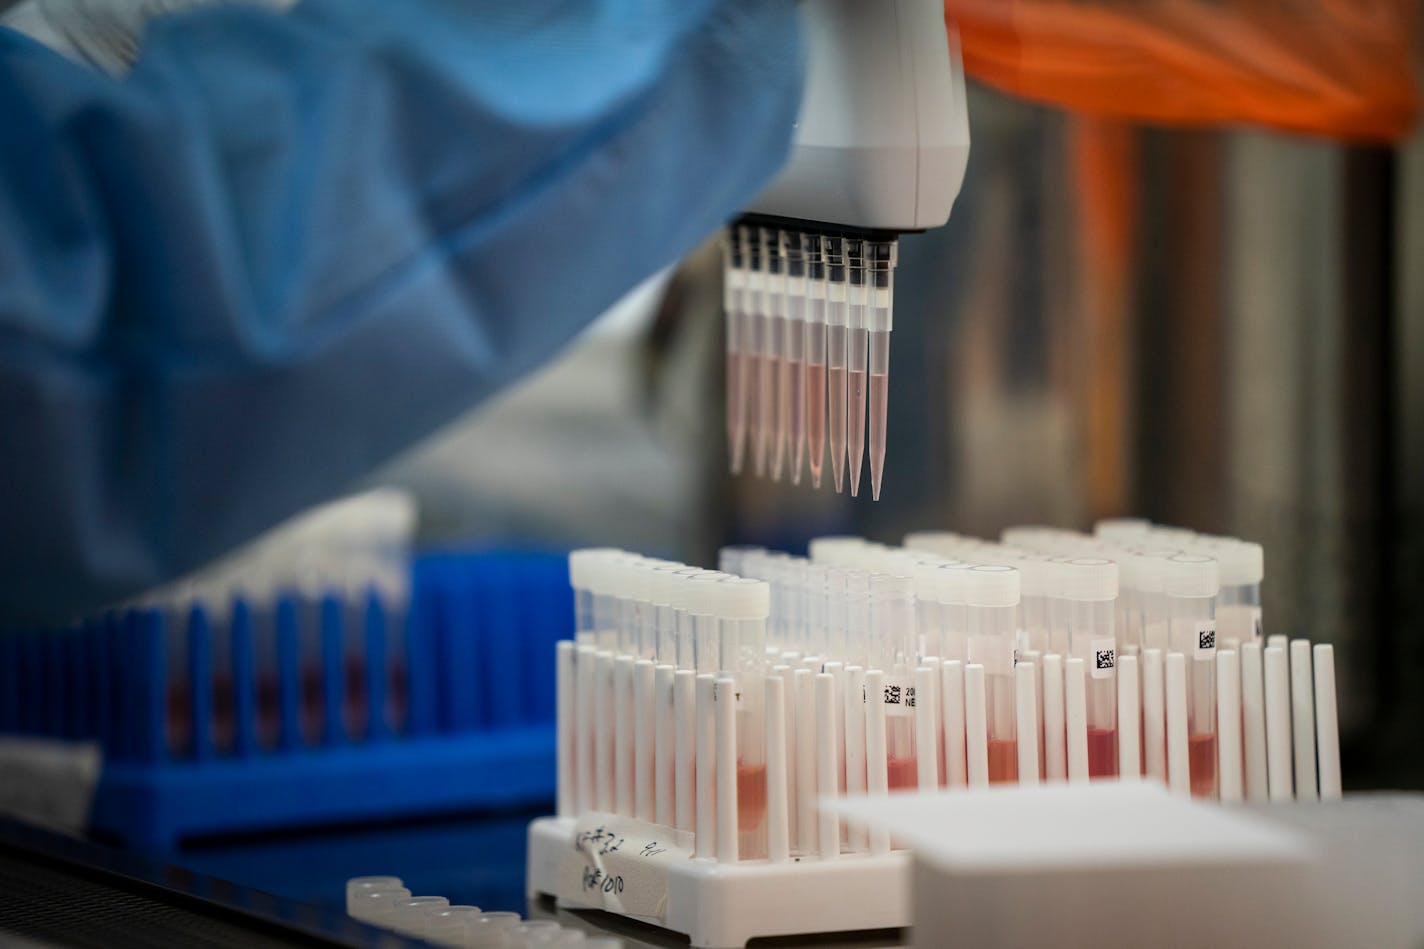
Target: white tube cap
(952, 584)
(584, 561)
(1149, 566)
(835, 551)
(1190, 575)
(744, 599)
(1088, 578)
(703, 596)
(1242, 562)
(994, 584)
(1122, 529)
(1029, 536)
(1170, 536)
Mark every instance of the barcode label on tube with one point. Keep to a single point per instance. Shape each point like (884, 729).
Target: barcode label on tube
(1104, 658)
(1206, 639)
(899, 695)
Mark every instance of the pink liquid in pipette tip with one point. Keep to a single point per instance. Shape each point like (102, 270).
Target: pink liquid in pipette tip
(783, 418)
(1201, 764)
(736, 409)
(816, 419)
(1003, 760)
(855, 427)
(797, 453)
(903, 773)
(836, 401)
(752, 369)
(768, 413)
(879, 393)
(1102, 752)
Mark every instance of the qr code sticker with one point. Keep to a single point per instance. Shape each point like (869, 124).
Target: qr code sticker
(1206, 639)
(892, 695)
(1106, 658)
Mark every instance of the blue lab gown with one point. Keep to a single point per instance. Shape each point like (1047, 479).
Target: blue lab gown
(286, 246)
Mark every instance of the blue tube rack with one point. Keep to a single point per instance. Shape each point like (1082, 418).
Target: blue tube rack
(307, 713)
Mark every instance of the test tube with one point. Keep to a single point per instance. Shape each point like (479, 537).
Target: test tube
(882, 258)
(858, 298)
(1242, 564)
(815, 355)
(837, 334)
(744, 607)
(1090, 586)
(992, 598)
(775, 371)
(734, 308)
(1191, 583)
(756, 369)
(892, 650)
(1148, 570)
(954, 631)
(929, 608)
(794, 351)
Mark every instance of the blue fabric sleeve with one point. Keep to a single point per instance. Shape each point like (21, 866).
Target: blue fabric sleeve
(284, 247)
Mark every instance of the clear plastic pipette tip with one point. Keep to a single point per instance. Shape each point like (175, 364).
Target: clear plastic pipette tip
(880, 311)
(856, 361)
(834, 250)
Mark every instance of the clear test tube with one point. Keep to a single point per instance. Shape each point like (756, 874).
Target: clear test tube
(929, 610)
(1035, 571)
(954, 629)
(856, 597)
(837, 341)
(817, 640)
(1090, 585)
(744, 607)
(582, 564)
(1056, 606)
(730, 558)
(641, 592)
(882, 257)
(1191, 583)
(794, 351)
(992, 599)
(603, 583)
(734, 308)
(681, 595)
(1148, 570)
(815, 344)
(892, 650)
(1238, 606)
(834, 644)
(754, 345)
(857, 358)
(775, 371)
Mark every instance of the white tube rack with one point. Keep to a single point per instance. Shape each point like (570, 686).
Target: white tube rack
(723, 905)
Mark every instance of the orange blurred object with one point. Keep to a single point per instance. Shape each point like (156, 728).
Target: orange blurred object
(1339, 68)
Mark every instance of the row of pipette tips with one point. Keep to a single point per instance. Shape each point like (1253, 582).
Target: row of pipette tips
(385, 902)
(809, 317)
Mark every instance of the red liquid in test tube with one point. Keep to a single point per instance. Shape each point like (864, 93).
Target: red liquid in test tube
(751, 796)
(1102, 752)
(1201, 764)
(903, 773)
(1003, 761)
